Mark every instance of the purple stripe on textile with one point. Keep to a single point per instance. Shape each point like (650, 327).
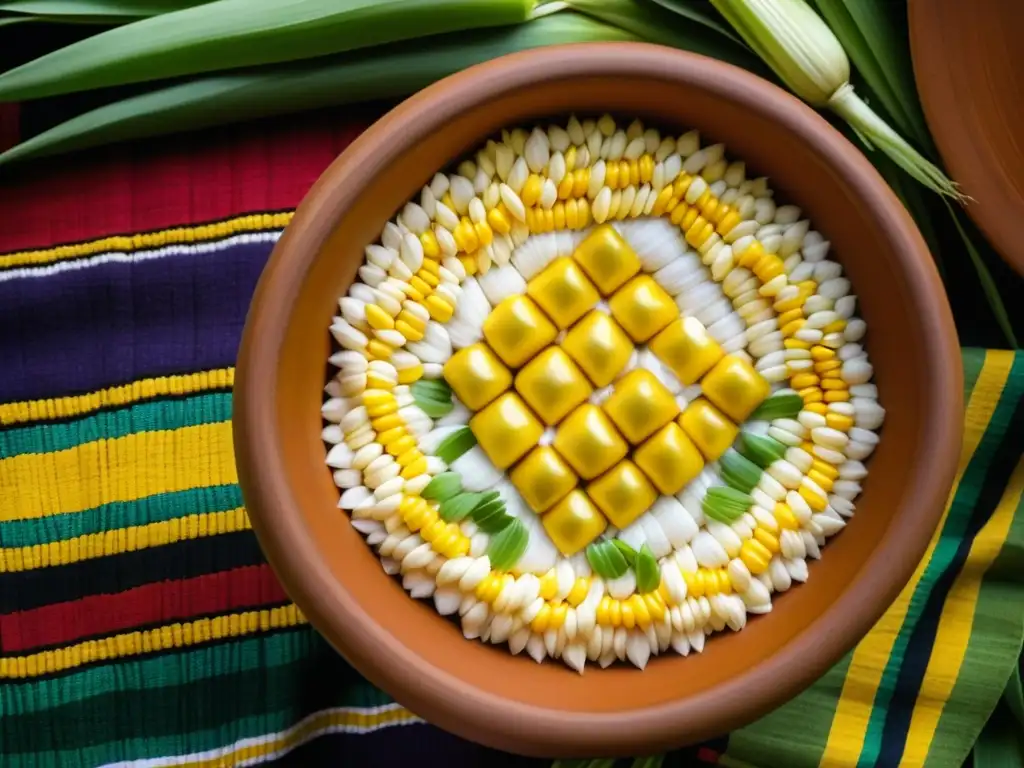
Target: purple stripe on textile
(111, 323)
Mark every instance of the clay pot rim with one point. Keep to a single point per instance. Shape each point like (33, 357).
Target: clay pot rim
(447, 700)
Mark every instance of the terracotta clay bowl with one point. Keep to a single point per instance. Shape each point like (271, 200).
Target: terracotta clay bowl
(482, 692)
(969, 68)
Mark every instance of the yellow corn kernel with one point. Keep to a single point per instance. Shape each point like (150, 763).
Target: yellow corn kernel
(622, 493)
(488, 589)
(669, 458)
(403, 444)
(532, 190)
(431, 248)
(820, 354)
(465, 236)
(710, 582)
(419, 284)
(633, 174)
(410, 505)
(810, 394)
(755, 556)
(724, 582)
(573, 523)
(571, 214)
(580, 182)
(645, 167)
(728, 223)
(685, 347)
(378, 350)
(579, 591)
(807, 446)
(433, 530)
(558, 613)
(699, 232)
(549, 220)
(558, 214)
(411, 374)
(735, 387)
(827, 365)
(564, 188)
(384, 423)
(792, 327)
(543, 478)
(655, 605)
(709, 428)
(376, 397)
(789, 316)
(824, 482)
(483, 233)
(663, 593)
(837, 326)
(611, 175)
(804, 380)
(607, 259)
(771, 525)
(570, 159)
(459, 548)
(468, 264)
(694, 582)
(563, 292)
(786, 306)
(767, 540)
(819, 408)
(640, 612)
(604, 611)
(615, 613)
(516, 330)
(751, 255)
(431, 280)
(583, 212)
(678, 213)
(411, 321)
(377, 318)
(376, 381)
(837, 396)
(796, 344)
(410, 332)
(643, 308)
(439, 309)
(784, 516)
(540, 621)
(626, 611)
(691, 215)
(499, 221)
(446, 198)
(640, 405)
(814, 501)
(681, 184)
(390, 436)
(548, 585)
(825, 468)
(768, 267)
(839, 421)
(834, 384)
(409, 457)
(431, 267)
(661, 201)
(415, 469)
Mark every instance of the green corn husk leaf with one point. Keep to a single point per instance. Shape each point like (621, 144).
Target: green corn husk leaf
(124, 9)
(443, 487)
(738, 471)
(380, 73)
(455, 444)
(508, 545)
(648, 575)
(698, 11)
(606, 559)
(785, 404)
(725, 504)
(762, 451)
(229, 34)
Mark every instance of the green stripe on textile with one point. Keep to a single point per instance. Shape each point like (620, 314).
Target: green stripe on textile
(959, 516)
(120, 514)
(224, 691)
(997, 637)
(151, 416)
(774, 742)
(974, 361)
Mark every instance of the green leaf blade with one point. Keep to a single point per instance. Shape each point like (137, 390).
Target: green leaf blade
(508, 545)
(648, 574)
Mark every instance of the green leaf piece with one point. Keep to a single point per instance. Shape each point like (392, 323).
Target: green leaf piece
(459, 507)
(627, 551)
(606, 559)
(434, 398)
(490, 515)
(761, 450)
(725, 504)
(648, 574)
(456, 444)
(508, 545)
(738, 471)
(781, 405)
(443, 487)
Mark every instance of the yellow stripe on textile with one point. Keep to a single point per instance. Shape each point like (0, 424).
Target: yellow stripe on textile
(123, 469)
(120, 540)
(955, 624)
(164, 638)
(257, 751)
(115, 397)
(126, 243)
(853, 712)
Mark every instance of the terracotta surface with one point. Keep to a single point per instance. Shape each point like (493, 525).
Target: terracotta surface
(969, 67)
(482, 692)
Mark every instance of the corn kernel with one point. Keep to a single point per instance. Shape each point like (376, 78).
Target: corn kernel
(735, 387)
(476, 375)
(548, 585)
(465, 236)
(641, 615)
(540, 621)
(488, 589)
(789, 316)
(645, 168)
(834, 384)
(694, 583)
(755, 556)
(825, 468)
(607, 259)
(803, 381)
(408, 457)
(532, 190)
(784, 517)
(839, 421)
(565, 187)
(506, 430)
(768, 267)
(828, 366)
(604, 611)
(403, 444)
(837, 326)
(661, 201)
(824, 482)
(810, 394)
(378, 350)
(573, 523)
(384, 423)
(821, 354)
(789, 329)
(411, 321)
(642, 308)
(589, 442)
(563, 292)
(433, 530)
(498, 220)
(580, 589)
(468, 264)
(543, 478)
(558, 211)
(420, 286)
(655, 605)
(819, 408)
(622, 493)
(750, 255)
(558, 613)
(814, 501)
(440, 310)
(391, 435)
(837, 396)
(640, 405)
(516, 329)
(669, 458)
(710, 429)
(431, 248)
(580, 182)
(599, 346)
(766, 539)
(685, 347)
(415, 469)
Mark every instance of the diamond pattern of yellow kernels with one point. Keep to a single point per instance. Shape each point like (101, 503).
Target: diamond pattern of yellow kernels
(686, 348)
(552, 385)
(589, 441)
(543, 478)
(735, 387)
(643, 308)
(599, 346)
(476, 375)
(563, 292)
(573, 523)
(607, 259)
(640, 405)
(709, 428)
(506, 429)
(669, 458)
(623, 493)
(517, 330)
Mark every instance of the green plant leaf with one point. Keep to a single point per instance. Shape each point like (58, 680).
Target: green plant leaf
(508, 545)
(738, 471)
(725, 504)
(228, 34)
(455, 444)
(695, 12)
(109, 8)
(648, 575)
(627, 551)
(761, 450)
(379, 73)
(458, 507)
(443, 487)
(606, 560)
(781, 405)
(432, 397)
(490, 515)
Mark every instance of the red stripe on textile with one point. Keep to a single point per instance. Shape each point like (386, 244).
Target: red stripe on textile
(176, 181)
(63, 623)
(9, 125)
(706, 755)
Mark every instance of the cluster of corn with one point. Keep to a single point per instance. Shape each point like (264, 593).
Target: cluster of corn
(757, 278)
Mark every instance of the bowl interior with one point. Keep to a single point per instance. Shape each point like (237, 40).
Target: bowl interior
(483, 692)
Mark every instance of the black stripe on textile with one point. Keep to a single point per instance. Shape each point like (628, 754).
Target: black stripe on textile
(919, 648)
(25, 590)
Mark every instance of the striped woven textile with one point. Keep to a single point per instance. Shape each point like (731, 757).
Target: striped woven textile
(139, 623)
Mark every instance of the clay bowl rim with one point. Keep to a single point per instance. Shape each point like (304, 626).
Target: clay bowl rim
(452, 702)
